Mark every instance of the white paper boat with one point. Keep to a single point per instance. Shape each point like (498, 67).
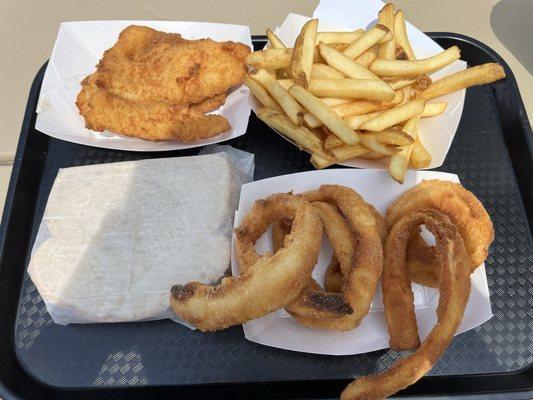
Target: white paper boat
(79, 46)
(280, 330)
(436, 133)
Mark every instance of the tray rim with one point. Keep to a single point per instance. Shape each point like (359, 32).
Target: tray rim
(515, 384)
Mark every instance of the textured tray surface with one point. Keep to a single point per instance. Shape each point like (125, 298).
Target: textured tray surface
(164, 353)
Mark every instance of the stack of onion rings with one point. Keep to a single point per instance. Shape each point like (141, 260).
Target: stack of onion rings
(355, 230)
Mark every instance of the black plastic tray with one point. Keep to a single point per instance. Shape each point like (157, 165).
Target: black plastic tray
(492, 154)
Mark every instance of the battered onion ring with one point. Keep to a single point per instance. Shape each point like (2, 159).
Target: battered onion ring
(361, 280)
(333, 277)
(454, 291)
(313, 301)
(464, 210)
(272, 282)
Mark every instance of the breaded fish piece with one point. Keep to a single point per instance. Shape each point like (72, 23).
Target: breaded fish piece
(148, 120)
(209, 104)
(147, 65)
(133, 39)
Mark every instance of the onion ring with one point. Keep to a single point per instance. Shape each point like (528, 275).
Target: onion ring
(360, 282)
(454, 291)
(464, 210)
(272, 282)
(333, 277)
(313, 301)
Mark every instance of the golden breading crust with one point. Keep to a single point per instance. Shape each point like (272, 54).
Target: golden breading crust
(465, 211)
(152, 120)
(171, 69)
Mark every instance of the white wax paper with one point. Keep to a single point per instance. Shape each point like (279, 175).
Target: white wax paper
(115, 237)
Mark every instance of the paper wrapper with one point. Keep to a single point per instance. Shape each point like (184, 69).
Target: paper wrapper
(280, 330)
(436, 133)
(114, 238)
(78, 48)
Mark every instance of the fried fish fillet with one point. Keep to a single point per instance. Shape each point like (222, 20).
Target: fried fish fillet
(150, 120)
(146, 65)
(209, 104)
(157, 86)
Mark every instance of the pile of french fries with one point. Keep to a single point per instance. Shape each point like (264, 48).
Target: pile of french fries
(341, 95)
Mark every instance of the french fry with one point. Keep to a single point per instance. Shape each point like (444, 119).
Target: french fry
(346, 152)
(336, 46)
(374, 145)
(338, 37)
(367, 106)
(340, 154)
(355, 121)
(374, 155)
(260, 93)
(433, 109)
(420, 157)
(394, 116)
(311, 121)
(407, 92)
(400, 35)
(280, 95)
(366, 40)
(367, 58)
(357, 108)
(387, 50)
(273, 72)
(269, 58)
(332, 101)
(479, 75)
(396, 84)
(390, 137)
(286, 83)
(332, 141)
(324, 114)
(385, 68)
(275, 42)
(324, 133)
(399, 53)
(344, 64)
(303, 53)
(324, 71)
(320, 162)
(302, 136)
(371, 89)
(400, 161)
